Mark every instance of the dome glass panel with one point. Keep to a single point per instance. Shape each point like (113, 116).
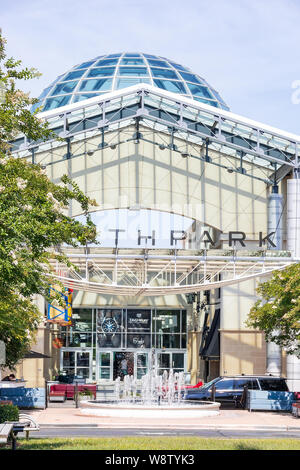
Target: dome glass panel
(117, 71)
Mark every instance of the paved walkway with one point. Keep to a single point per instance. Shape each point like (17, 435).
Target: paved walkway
(60, 416)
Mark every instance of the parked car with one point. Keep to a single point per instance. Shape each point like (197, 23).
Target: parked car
(230, 389)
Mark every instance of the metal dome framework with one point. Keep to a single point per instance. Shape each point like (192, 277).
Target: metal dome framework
(117, 71)
(135, 273)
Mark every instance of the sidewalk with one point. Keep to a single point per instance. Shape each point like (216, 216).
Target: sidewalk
(228, 419)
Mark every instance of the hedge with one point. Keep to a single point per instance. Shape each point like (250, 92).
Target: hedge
(9, 413)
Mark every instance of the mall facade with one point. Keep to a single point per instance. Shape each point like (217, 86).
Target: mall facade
(195, 206)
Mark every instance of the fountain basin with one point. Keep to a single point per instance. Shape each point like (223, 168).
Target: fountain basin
(184, 410)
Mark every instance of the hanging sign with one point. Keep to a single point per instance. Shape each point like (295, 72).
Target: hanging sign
(60, 312)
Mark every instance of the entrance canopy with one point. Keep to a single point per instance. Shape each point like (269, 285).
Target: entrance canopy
(162, 272)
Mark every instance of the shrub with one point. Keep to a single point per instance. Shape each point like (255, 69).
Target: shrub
(86, 393)
(9, 413)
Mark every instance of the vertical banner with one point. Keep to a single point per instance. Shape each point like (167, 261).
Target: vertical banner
(60, 312)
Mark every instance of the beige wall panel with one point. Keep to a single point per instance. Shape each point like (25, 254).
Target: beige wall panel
(145, 177)
(193, 366)
(237, 301)
(146, 185)
(242, 353)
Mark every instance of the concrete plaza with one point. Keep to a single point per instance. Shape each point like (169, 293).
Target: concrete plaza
(60, 416)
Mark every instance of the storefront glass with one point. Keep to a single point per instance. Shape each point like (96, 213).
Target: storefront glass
(105, 343)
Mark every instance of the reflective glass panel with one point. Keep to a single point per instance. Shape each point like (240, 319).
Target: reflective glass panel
(125, 82)
(175, 87)
(132, 61)
(142, 360)
(164, 361)
(77, 340)
(75, 74)
(179, 67)
(139, 71)
(151, 56)
(203, 100)
(107, 340)
(84, 96)
(85, 65)
(105, 373)
(101, 72)
(106, 62)
(104, 359)
(83, 359)
(167, 321)
(82, 319)
(68, 358)
(45, 92)
(189, 77)
(141, 372)
(134, 54)
(52, 103)
(138, 321)
(83, 373)
(178, 360)
(101, 84)
(139, 341)
(66, 87)
(167, 341)
(112, 55)
(164, 73)
(158, 63)
(200, 91)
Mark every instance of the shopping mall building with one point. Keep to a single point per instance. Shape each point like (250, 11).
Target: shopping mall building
(195, 206)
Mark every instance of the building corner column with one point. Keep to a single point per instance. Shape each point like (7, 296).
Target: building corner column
(275, 208)
(293, 245)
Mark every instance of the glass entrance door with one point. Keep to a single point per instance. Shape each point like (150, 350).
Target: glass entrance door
(105, 365)
(77, 363)
(141, 364)
(170, 360)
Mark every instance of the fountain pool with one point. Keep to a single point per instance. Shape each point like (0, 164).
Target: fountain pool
(153, 397)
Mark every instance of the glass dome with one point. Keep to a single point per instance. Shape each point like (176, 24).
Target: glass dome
(116, 71)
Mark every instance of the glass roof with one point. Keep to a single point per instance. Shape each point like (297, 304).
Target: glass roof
(115, 71)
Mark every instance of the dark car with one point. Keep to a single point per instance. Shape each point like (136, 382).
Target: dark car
(230, 389)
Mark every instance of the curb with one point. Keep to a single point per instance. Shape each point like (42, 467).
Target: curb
(178, 427)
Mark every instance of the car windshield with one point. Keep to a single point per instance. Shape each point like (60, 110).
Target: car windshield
(209, 384)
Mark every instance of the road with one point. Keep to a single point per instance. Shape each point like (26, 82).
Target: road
(94, 431)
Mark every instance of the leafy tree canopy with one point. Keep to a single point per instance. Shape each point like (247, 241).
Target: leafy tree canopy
(33, 218)
(277, 313)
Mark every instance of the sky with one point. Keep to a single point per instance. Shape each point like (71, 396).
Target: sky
(249, 50)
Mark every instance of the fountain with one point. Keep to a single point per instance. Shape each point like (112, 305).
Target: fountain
(154, 396)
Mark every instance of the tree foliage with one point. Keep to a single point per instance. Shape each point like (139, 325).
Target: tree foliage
(33, 220)
(277, 313)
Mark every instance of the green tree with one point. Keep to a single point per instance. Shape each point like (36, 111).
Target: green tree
(277, 313)
(33, 216)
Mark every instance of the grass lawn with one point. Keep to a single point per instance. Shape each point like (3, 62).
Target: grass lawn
(158, 443)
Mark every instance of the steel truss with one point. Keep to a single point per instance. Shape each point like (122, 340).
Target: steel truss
(159, 272)
(194, 122)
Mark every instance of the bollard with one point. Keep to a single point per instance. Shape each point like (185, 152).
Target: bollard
(46, 394)
(213, 392)
(76, 395)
